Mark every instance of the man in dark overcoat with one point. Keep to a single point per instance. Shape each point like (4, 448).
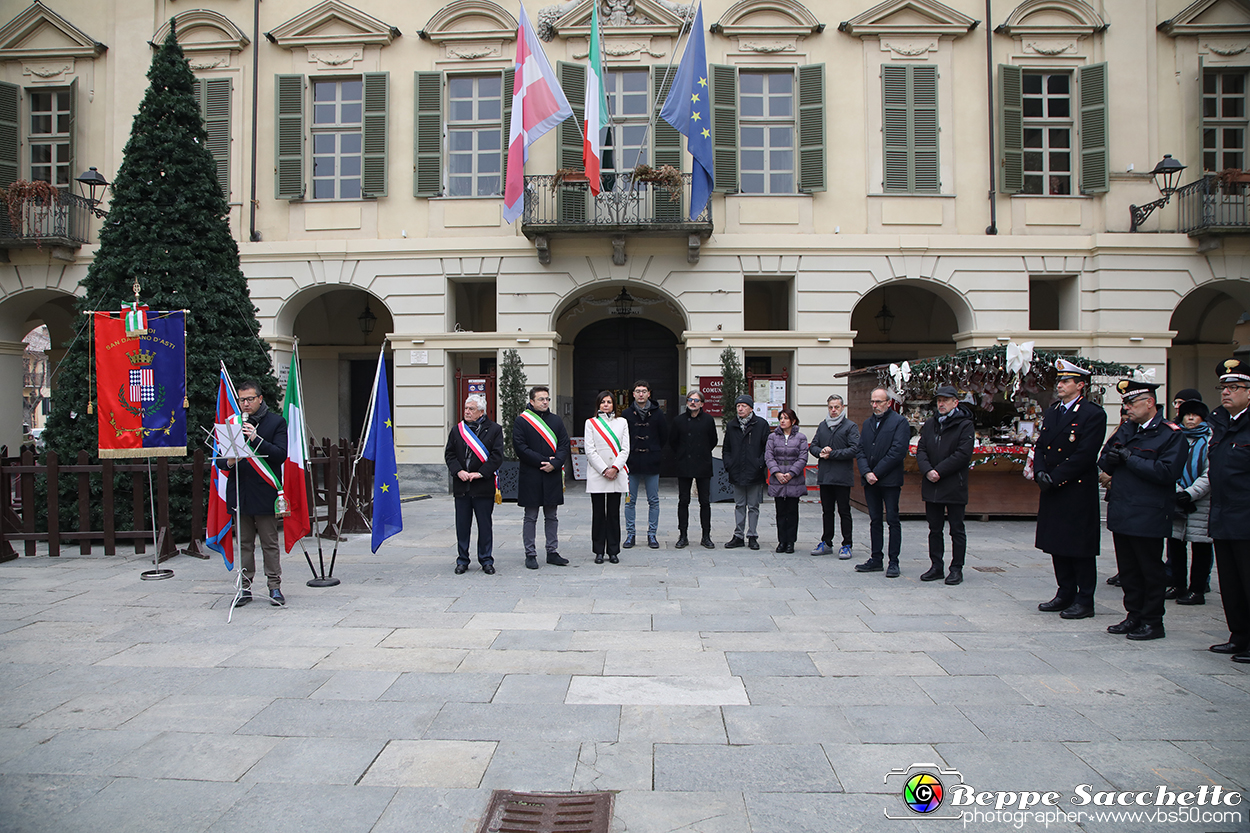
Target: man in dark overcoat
(882, 446)
(743, 455)
(1229, 471)
(648, 434)
(1144, 457)
(693, 439)
(542, 446)
(943, 453)
(1065, 468)
(265, 432)
(474, 453)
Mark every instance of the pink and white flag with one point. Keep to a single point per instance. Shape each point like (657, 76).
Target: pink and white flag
(538, 104)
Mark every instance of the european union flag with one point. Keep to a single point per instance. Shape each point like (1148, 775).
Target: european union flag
(380, 448)
(688, 108)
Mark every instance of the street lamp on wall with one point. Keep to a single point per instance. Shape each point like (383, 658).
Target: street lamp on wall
(1167, 174)
(367, 320)
(93, 185)
(885, 319)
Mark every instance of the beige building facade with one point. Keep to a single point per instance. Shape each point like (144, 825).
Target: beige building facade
(968, 167)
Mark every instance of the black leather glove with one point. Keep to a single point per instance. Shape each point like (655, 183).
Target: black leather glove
(1118, 456)
(1184, 502)
(1044, 481)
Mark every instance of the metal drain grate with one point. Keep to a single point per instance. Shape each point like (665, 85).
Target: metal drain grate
(517, 812)
(989, 569)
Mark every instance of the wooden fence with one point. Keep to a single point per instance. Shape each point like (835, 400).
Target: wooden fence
(335, 511)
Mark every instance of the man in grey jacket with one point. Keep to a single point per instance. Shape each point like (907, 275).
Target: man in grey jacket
(835, 445)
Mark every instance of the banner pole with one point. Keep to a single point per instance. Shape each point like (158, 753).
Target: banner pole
(373, 398)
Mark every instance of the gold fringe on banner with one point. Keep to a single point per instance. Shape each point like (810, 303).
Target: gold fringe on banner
(141, 452)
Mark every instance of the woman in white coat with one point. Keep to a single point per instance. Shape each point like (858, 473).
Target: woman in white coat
(607, 478)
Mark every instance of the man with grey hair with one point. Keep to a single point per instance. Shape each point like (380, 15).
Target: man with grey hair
(835, 445)
(882, 446)
(474, 453)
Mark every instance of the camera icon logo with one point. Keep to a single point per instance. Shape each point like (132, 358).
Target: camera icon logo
(922, 788)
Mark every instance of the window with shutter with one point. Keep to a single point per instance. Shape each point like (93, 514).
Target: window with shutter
(725, 127)
(909, 128)
(475, 135)
(667, 149)
(9, 97)
(571, 201)
(51, 135)
(1224, 119)
(427, 178)
(1011, 133)
(1095, 158)
(1046, 113)
(374, 135)
(812, 128)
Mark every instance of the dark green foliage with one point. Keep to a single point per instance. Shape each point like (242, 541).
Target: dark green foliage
(512, 396)
(733, 384)
(168, 228)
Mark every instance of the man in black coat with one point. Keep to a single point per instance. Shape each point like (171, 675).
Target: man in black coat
(1229, 472)
(882, 447)
(259, 480)
(542, 447)
(1065, 469)
(474, 453)
(943, 453)
(693, 439)
(1144, 457)
(648, 434)
(835, 445)
(743, 456)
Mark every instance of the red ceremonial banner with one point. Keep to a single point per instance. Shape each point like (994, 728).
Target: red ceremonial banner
(140, 386)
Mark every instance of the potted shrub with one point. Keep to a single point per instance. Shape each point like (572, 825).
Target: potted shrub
(512, 400)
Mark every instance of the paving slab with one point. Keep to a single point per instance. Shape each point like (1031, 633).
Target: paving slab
(193, 756)
(429, 810)
(142, 804)
(453, 764)
(658, 691)
(316, 761)
(672, 724)
(286, 808)
(341, 719)
(31, 802)
(771, 767)
(645, 811)
(523, 721)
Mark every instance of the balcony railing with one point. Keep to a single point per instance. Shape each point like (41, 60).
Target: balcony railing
(66, 222)
(1212, 205)
(563, 207)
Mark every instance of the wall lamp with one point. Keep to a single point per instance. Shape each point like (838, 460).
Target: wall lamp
(1166, 175)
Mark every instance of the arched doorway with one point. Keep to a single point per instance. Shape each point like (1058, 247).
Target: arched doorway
(1210, 325)
(338, 357)
(35, 327)
(613, 353)
(902, 321)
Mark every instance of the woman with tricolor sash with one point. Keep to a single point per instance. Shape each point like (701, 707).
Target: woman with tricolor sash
(607, 477)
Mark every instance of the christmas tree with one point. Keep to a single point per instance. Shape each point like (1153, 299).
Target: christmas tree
(167, 229)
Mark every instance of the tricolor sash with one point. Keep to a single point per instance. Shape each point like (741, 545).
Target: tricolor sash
(261, 465)
(474, 442)
(603, 429)
(541, 427)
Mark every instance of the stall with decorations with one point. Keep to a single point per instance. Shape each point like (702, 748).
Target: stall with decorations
(1007, 387)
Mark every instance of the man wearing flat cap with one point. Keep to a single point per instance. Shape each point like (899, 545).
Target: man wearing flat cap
(1229, 473)
(1144, 457)
(943, 453)
(1065, 468)
(743, 456)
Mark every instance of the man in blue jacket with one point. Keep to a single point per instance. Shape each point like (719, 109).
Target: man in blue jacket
(882, 447)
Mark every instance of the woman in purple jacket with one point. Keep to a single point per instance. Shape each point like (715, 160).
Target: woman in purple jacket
(786, 455)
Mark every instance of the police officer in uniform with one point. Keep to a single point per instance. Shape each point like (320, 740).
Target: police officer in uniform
(1229, 472)
(1144, 457)
(1065, 469)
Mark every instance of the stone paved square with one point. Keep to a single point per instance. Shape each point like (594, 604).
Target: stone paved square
(719, 691)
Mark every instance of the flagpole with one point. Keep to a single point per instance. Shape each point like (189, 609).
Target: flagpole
(688, 28)
(318, 579)
(373, 396)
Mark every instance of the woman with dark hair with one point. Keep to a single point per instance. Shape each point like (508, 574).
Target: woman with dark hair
(785, 455)
(1193, 505)
(607, 478)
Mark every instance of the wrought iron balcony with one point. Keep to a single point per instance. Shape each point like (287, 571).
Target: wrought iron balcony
(1215, 205)
(64, 223)
(558, 206)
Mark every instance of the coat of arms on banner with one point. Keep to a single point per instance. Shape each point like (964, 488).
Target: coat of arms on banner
(140, 364)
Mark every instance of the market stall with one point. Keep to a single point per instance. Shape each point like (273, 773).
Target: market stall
(1008, 388)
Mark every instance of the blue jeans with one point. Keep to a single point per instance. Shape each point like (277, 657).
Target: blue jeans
(653, 502)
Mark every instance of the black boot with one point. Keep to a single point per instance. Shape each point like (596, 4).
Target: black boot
(935, 573)
(682, 540)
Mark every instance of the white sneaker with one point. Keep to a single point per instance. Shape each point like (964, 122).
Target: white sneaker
(845, 552)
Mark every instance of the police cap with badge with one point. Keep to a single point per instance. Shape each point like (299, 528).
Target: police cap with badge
(1065, 369)
(1133, 389)
(1232, 371)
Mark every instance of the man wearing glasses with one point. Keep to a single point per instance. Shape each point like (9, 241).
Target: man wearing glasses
(882, 447)
(265, 432)
(542, 447)
(1229, 472)
(693, 438)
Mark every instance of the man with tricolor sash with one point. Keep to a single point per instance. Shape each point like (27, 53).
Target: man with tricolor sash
(474, 453)
(542, 447)
(257, 486)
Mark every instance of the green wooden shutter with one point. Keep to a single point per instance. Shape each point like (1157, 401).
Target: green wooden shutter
(289, 171)
(1011, 116)
(213, 96)
(73, 131)
(926, 173)
(1095, 159)
(508, 77)
(725, 128)
(667, 145)
(373, 140)
(427, 177)
(894, 128)
(812, 128)
(10, 97)
(571, 203)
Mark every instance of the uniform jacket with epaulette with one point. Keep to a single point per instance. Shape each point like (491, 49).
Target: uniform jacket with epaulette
(1068, 522)
(1142, 496)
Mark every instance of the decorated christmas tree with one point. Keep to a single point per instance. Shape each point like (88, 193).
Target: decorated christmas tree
(167, 229)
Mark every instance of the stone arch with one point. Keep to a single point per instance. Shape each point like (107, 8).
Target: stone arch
(470, 20)
(1060, 17)
(204, 30)
(1208, 326)
(754, 17)
(20, 313)
(586, 305)
(926, 316)
(322, 302)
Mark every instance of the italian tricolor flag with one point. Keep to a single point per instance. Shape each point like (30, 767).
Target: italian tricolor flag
(294, 482)
(596, 118)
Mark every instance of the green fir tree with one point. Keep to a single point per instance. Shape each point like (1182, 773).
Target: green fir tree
(733, 385)
(167, 228)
